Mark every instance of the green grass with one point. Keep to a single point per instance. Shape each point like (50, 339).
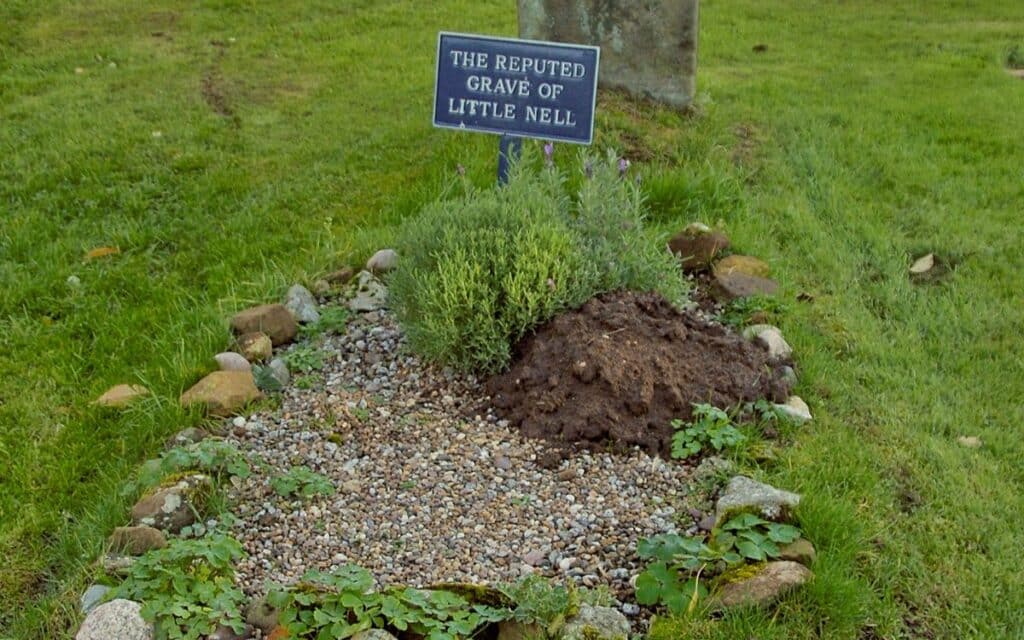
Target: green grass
(293, 135)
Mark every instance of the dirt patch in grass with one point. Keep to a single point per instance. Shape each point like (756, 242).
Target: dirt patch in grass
(616, 372)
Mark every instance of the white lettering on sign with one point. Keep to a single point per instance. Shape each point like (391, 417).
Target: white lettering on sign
(550, 115)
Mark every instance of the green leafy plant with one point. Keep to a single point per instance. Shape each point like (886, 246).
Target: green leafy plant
(333, 319)
(304, 358)
(538, 601)
(187, 588)
(678, 563)
(303, 482)
(480, 271)
(213, 456)
(340, 604)
(1015, 57)
(710, 426)
(265, 379)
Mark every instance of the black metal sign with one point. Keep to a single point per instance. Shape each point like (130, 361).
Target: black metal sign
(519, 88)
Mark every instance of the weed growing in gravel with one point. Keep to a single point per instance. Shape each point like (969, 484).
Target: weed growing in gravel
(187, 588)
(303, 482)
(341, 603)
(674, 578)
(265, 379)
(481, 271)
(305, 358)
(537, 600)
(333, 319)
(213, 456)
(710, 426)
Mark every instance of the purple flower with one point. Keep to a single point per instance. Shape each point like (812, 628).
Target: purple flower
(549, 152)
(623, 166)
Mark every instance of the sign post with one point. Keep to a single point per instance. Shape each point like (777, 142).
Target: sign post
(516, 88)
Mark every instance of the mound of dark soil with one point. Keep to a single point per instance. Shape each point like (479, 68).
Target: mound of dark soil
(619, 369)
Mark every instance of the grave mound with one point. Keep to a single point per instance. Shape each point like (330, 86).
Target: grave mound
(617, 371)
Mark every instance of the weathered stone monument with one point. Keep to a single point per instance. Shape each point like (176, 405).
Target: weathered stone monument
(648, 47)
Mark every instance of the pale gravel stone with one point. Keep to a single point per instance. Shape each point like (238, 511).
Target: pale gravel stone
(121, 619)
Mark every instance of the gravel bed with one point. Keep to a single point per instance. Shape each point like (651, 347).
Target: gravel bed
(431, 486)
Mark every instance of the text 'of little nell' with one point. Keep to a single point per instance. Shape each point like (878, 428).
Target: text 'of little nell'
(546, 72)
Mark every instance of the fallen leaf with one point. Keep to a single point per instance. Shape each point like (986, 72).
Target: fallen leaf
(923, 264)
(101, 252)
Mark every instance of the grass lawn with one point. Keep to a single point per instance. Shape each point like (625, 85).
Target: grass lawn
(229, 148)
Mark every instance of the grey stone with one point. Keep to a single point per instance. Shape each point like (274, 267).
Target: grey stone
(744, 495)
(771, 583)
(93, 596)
(647, 48)
(795, 410)
(789, 377)
(371, 295)
(301, 303)
(231, 361)
(771, 338)
(596, 623)
(120, 619)
(383, 261)
(279, 370)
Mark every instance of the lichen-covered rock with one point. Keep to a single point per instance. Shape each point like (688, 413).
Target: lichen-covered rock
(255, 347)
(744, 495)
(274, 320)
(118, 619)
(136, 541)
(764, 587)
(302, 304)
(737, 263)
(121, 395)
(174, 506)
(370, 295)
(596, 623)
(771, 338)
(223, 393)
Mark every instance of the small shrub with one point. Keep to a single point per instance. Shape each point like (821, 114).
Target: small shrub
(710, 426)
(304, 358)
(481, 271)
(187, 588)
(333, 319)
(265, 379)
(303, 482)
(1015, 57)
